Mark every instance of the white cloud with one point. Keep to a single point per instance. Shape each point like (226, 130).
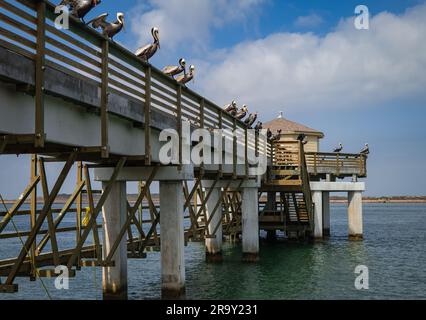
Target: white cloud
(310, 21)
(187, 22)
(347, 68)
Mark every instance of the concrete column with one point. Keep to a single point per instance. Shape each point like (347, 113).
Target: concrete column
(114, 213)
(355, 215)
(214, 244)
(317, 199)
(326, 213)
(250, 224)
(172, 240)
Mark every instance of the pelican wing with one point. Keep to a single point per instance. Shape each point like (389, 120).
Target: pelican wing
(170, 69)
(99, 21)
(142, 51)
(181, 78)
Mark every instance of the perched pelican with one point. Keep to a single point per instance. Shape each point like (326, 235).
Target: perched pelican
(251, 119)
(258, 126)
(277, 136)
(184, 79)
(175, 70)
(79, 8)
(242, 113)
(366, 150)
(148, 51)
(109, 29)
(269, 133)
(339, 148)
(231, 107)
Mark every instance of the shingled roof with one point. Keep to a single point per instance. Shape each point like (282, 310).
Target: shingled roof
(288, 126)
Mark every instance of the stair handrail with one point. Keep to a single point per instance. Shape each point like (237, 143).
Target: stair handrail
(306, 187)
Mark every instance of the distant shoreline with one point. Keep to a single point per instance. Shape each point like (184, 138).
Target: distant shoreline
(338, 200)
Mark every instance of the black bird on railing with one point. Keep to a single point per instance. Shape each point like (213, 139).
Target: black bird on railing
(269, 134)
(366, 150)
(251, 119)
(80, 8)
(175, 70)
(148, 51)
(184, 79)
(258, 126)
(339, 148)
(109, 29)
(231, 108)
(302, 138)
(242, 113)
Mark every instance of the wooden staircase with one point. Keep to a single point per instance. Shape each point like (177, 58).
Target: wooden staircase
(290, 208)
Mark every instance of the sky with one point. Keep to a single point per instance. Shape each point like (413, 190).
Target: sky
(306, 59)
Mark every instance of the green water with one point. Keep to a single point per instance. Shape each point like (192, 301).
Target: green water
(394, 250)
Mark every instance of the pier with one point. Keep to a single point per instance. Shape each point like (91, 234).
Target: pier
(78, 99)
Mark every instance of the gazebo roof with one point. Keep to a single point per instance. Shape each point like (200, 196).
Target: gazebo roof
(289, 127)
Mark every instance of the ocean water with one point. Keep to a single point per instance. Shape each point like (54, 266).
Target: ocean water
(394, 250)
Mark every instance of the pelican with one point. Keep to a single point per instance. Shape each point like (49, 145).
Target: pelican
(231, 107)
(175, 70)
(366, 150)
(148, 51)
(80, 8)
(109, 29)
(277, 136)
(184, 79)
(269, 133)
(258, 126)
(339, 148)
(251, 119)
(242, 113)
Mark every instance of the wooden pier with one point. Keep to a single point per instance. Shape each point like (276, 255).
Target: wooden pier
(78, 99)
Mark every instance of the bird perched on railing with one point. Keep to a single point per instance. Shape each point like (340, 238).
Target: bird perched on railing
(339, 148)
(251, 119)
(242, 113)
(302, 138)
(277, 136)
(109, 29)
(258, 126)
(269, 134)
(173, 71)
(184, 79)
(366, 150)
(80, 8)
(148, 51)
(231, 108)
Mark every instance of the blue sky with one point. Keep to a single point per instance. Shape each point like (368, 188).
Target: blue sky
(303, 57)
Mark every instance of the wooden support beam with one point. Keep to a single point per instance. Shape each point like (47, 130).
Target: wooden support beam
(104, 99)
(39, 73)
(147, 114)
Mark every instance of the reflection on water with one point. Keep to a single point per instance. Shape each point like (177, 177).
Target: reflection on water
(393, 250)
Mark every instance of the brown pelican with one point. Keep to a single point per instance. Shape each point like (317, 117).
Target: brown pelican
(231, 107)
(148, 51)
(277, 137)
(242, 113)
(366, 150)
(175, 70)
(184, 79)
(339, 148)
(79, 8)
(109, 29)
(269, 133)
(258, 126)
(251, 119)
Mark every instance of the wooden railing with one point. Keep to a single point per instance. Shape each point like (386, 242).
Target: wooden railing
(338, 164)
(306, 186)
(27, 27)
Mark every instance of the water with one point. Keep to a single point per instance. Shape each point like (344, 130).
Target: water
(394, 250)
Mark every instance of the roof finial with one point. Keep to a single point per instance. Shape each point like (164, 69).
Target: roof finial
(280, 116)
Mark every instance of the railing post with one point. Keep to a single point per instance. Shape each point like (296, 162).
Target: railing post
(202, 106)
(179, 120)
(104, 99)
(246, 152)
(221, 127)
(147, 115)
(337, 165)
(39, 74)
(234, 153)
